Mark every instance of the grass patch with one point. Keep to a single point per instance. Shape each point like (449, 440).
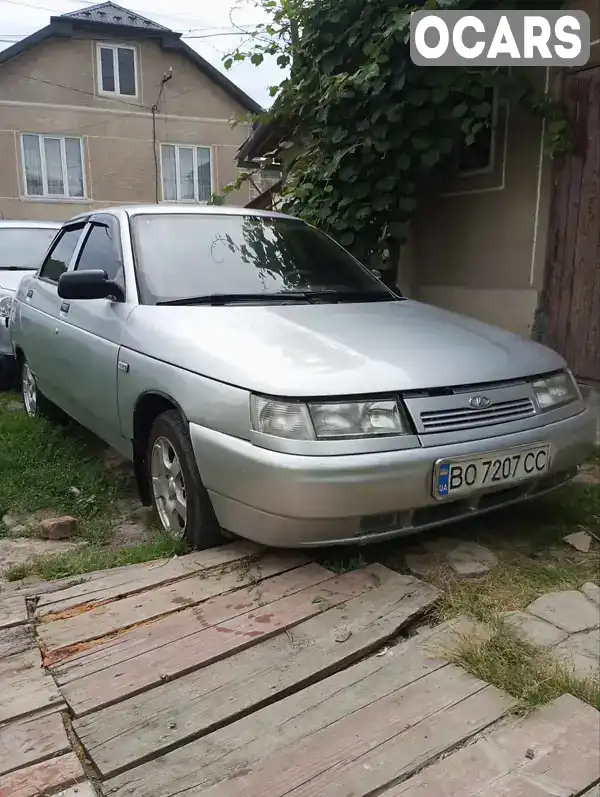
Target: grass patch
(91, 557)
(43, 466)
(594, 457)
(526, 672)
(340, 561)
(61, 471)
(511, 586)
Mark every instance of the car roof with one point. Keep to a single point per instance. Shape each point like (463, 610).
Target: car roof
(30, 225)
(179, 210)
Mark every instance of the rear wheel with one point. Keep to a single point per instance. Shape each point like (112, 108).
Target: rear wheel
(179, 498)
(34, 400)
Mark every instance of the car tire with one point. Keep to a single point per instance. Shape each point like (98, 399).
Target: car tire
(34, 401)
(179, 499)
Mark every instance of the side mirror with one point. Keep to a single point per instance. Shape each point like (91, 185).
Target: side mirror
(88, 284)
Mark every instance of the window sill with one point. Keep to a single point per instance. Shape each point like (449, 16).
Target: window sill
(135, 99)
(68, 200)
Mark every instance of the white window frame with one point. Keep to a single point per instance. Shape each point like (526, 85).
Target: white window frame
(136, 72)
(194, 148)
(63, 159)
(491, 165)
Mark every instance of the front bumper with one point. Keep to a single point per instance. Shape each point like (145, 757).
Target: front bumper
(295, 501)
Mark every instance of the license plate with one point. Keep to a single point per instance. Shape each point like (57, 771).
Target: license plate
(461, 475)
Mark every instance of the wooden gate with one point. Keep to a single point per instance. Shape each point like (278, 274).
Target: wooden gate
(572, 291)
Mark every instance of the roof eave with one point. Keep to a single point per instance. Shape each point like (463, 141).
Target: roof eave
(266, 139)
(25, 44)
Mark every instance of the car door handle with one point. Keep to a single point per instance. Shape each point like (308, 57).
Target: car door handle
(64, 308)
(29, 293)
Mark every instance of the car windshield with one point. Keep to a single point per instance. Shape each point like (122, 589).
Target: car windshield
(193, 256)
(24, 247)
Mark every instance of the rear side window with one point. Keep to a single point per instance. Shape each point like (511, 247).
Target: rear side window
(58, 258)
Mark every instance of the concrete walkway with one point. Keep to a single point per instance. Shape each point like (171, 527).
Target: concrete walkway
(235, 673)
(568, 623)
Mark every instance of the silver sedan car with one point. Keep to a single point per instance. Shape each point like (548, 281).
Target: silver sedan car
(23, 245)
(265, 383)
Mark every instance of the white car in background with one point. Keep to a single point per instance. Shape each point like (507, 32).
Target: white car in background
(23, 245)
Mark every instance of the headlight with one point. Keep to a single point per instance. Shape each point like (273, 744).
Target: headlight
(327, 420)
(555, 390)
(357, 419)
(281, 418)
(5, 305)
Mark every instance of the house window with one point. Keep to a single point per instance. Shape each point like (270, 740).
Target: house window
(117, 70)
(186, 173)
(53, 166)
(478, 157)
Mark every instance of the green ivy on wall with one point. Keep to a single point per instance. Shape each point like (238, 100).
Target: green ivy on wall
(374, 131)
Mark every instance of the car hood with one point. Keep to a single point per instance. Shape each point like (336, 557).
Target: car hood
(337, 349)
(9, 280)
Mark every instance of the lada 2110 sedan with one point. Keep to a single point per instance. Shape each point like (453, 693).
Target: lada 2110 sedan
(265, 383)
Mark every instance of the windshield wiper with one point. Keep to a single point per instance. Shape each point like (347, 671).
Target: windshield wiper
(232, 298)
(291, 297)
(17, 268)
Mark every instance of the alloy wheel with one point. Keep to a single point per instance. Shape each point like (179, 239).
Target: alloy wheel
(29, 389)
(168, 487)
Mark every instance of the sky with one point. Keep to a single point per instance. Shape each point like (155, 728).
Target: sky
(216, 21)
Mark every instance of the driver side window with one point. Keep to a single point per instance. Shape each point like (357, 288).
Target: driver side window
(101, 251)
(58, 258)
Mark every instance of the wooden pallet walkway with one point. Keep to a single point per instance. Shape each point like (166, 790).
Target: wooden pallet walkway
(35, 751)
(238, 673)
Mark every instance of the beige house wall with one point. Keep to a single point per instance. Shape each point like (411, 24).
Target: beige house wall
(479, 248)
(52, 89)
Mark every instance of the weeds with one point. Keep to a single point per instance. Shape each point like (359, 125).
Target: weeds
(531, 675)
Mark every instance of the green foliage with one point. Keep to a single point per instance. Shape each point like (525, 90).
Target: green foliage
(377, 132)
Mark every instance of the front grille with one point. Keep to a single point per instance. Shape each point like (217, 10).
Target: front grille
(455, 419)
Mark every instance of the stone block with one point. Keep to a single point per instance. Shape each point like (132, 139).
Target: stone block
(535, 630)
(58, 528)
(569, 610)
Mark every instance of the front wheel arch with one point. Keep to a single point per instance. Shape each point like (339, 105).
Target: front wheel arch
(147, 409)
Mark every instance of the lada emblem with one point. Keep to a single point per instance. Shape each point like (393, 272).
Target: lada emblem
(479, 402)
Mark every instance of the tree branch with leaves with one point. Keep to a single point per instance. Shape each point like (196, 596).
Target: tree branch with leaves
(374, 132)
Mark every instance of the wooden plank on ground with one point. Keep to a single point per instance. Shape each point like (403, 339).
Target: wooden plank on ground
(205, 761)
(29, 691)
(29, 742)
(20, 664)
(552, 752)
(81, 790)
(43, 778)
(193, 705)
(141, 670)
(369, 749)
(13, 611)
(166, 631)
(99, 621)
(122, 581)
(16, 640)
